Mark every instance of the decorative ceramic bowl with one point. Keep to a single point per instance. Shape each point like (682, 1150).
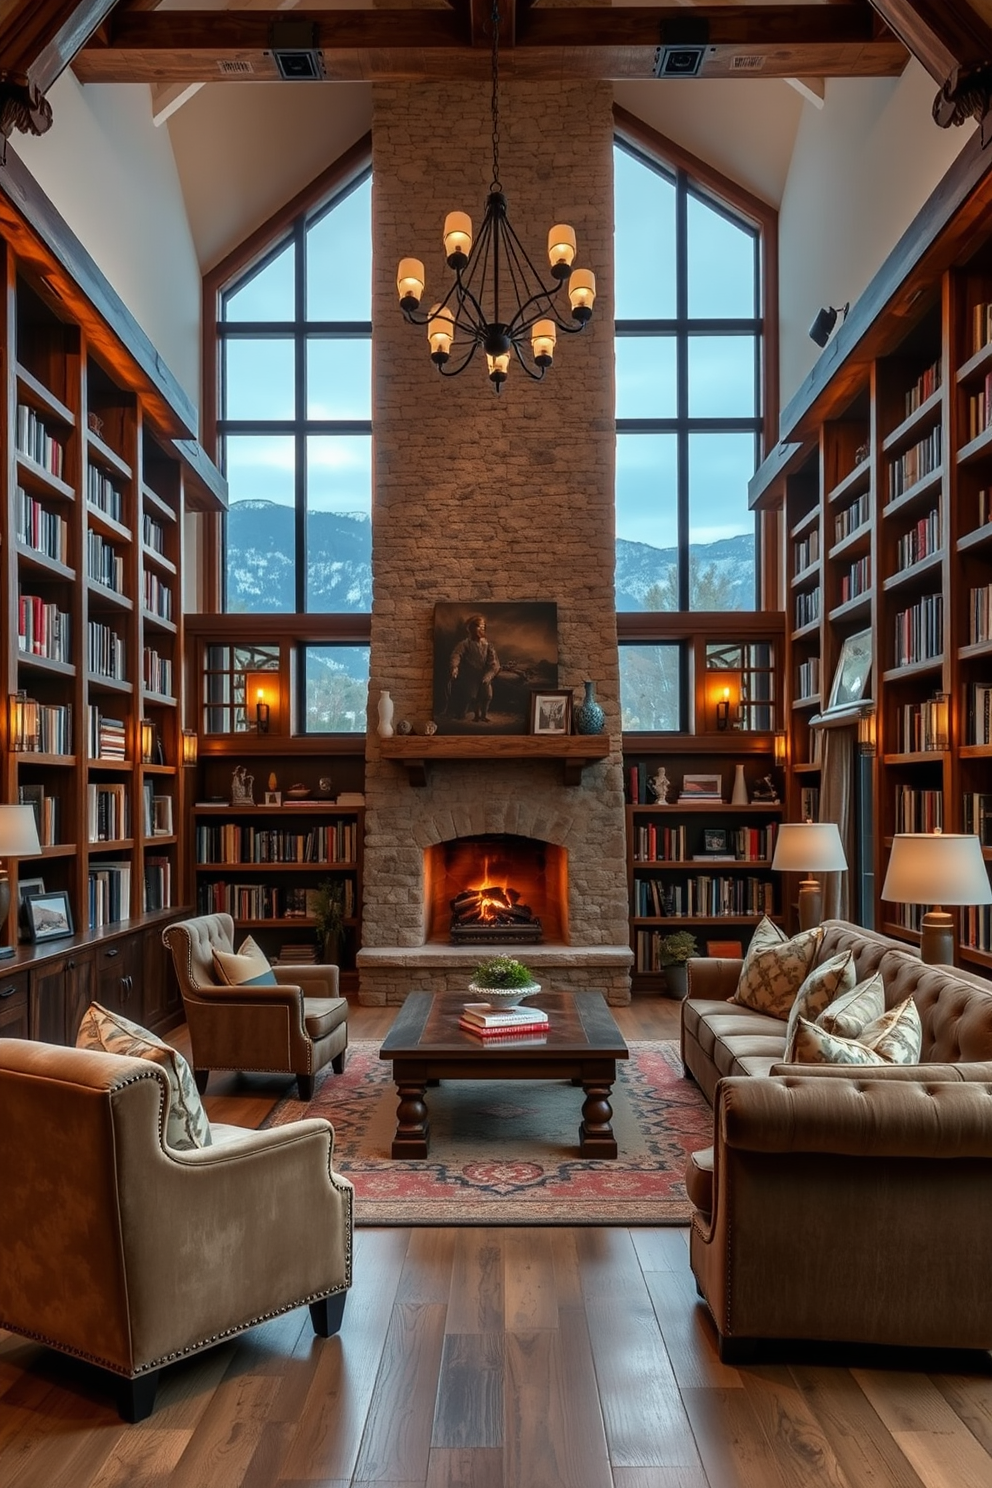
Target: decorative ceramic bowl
(504, 997)
(298, 792)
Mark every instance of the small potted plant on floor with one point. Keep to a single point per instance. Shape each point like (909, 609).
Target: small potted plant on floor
(675, 951)
(328, 918)
(502, 982)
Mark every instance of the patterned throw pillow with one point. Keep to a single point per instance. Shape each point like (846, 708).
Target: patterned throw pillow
(246, 967)
(850, 1013)
(774, 970)
(819, 989)
(814, 1045)
(186, 1125)
(897, 1035)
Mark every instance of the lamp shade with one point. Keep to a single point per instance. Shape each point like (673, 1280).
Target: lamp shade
(936, 868)
(18, 832)
(809, 847)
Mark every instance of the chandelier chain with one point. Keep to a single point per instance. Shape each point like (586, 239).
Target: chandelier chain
(495, 186)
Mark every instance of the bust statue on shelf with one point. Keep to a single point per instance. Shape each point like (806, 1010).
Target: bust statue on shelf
(658, 786)
(765, 791)
(242, 787)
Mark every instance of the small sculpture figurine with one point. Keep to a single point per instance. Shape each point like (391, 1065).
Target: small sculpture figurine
(765, 790)
(242, 787)
(404, 726)
(430, 728)
(658, 786)
(325, 785)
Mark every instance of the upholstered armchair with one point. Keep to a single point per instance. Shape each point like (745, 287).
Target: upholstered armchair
(129, 1254)
(296, 1027)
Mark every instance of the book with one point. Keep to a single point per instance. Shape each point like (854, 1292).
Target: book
(484, 1016)
(714, 858)
(532, 1033)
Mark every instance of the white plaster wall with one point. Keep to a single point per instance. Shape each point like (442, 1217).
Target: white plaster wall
(745, 128)
(244, 149)
(862, 167)
(112, 176)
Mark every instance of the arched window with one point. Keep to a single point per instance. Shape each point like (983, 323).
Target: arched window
(688, 391)
(294, 426)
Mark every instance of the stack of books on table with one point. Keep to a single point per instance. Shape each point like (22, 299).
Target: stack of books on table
(490, 1024)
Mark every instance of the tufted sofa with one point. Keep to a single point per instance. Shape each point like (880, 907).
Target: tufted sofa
(842, 1202)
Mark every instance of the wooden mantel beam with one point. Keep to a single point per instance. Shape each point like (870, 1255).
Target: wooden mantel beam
(426, 45)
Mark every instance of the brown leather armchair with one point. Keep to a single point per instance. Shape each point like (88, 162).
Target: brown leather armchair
(296, 1027)
(121, 1251)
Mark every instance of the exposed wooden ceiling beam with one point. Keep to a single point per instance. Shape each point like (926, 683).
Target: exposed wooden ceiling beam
(433, 45)
(39, 38)
(942, 36)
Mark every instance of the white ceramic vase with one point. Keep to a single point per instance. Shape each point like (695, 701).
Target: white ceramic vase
(739, 797)
(385, 710)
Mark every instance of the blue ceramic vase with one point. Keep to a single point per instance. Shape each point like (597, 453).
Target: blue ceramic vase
(589, 716)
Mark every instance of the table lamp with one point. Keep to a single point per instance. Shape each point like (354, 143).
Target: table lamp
(949, 863)
(809, 847)
(18, 839)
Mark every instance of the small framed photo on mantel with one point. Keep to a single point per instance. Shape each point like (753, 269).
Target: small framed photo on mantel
(551, 712)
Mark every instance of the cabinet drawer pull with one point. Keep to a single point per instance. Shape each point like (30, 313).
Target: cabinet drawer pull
(8, 991)
(110, 954)
(70, 966)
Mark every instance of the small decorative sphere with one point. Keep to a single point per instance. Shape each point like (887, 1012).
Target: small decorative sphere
(404, 726)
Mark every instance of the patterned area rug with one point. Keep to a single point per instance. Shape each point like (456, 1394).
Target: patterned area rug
(506, 1152)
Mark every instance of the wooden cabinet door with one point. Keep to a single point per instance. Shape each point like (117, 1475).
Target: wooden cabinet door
(14, 1006)
(78, 991)
(157, 990)
(47, 1014)
(114, 977)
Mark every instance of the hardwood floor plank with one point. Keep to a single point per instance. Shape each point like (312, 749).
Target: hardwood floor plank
(397, 1438)
(687, 1332)
(222, 1448)
(733, 1448)
(469, 1411)
(59, 1424)
(476, 1301)
(426, 1275)
(646, 1424)
(565, 1260)
(608, 1264)
(908, 1402)
(550, 1439)
(970, 1396)
(864, 1448)
(530, 1298)
(801, 1447)
(341, 1372)
(471, 1467)
(947, 1461)
(665, 1248)
(659, 1477)
(140, 1458)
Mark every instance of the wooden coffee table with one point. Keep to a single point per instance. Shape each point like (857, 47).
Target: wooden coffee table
(426, 1046)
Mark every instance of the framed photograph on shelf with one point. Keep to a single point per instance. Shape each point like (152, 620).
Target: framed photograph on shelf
(49, 915)
(25, 887)
(702, 787)
(551, 712)
(715, 840)
(853, 670)
(272, 798)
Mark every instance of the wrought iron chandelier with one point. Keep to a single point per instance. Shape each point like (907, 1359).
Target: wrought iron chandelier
(498, 300)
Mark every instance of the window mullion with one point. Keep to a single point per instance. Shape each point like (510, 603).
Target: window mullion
(300, 441)
(682, 382)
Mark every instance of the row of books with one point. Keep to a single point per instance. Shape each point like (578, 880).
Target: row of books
(50, 731)
(229, 842)
(914, 729)
(153, 534)
(302, 903)
(105, 654)
(924, 387)
(103, 563)
(710, 896)
(807, 550)
(109, 894)
(911, 466)
(46, 812)
(654, 843)
(977, 816)
(43, 530)
(494, 1024)
(103, 494)
(807, 607)
(108, 813)
(260, 901)
(980, 615)
(157, 884)
(157, 596)
(852, 517)
(981, 326)
(919, 631)
(42, 628)
(978, 711)
(919, 810)
(293, 953)
(976, 927)
(34, 440)
(980, 409)
(808, 678)
(156, 672)
(922, 539)
(106, 737)
(857, 580)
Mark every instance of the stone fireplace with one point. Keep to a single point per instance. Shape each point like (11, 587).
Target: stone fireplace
(483, 498)
(494, 891)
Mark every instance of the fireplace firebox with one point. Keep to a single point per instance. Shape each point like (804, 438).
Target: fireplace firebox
(495, 890)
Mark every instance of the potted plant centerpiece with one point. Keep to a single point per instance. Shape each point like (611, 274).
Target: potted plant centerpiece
(502, 982)
(675, 951)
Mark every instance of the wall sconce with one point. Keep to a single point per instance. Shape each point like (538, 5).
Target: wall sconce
(780, 749)
(147, 735)
(937, 722)
(261, 697)
(190, 747)
(723, 691)
(826, 319)
(23, 723)
(866, 731)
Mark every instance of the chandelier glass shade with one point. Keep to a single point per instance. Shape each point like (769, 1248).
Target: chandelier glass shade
(498, 300)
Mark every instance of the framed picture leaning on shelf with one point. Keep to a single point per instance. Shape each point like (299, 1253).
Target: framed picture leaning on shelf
(551, 712)
(853, 670)
(49, 915)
